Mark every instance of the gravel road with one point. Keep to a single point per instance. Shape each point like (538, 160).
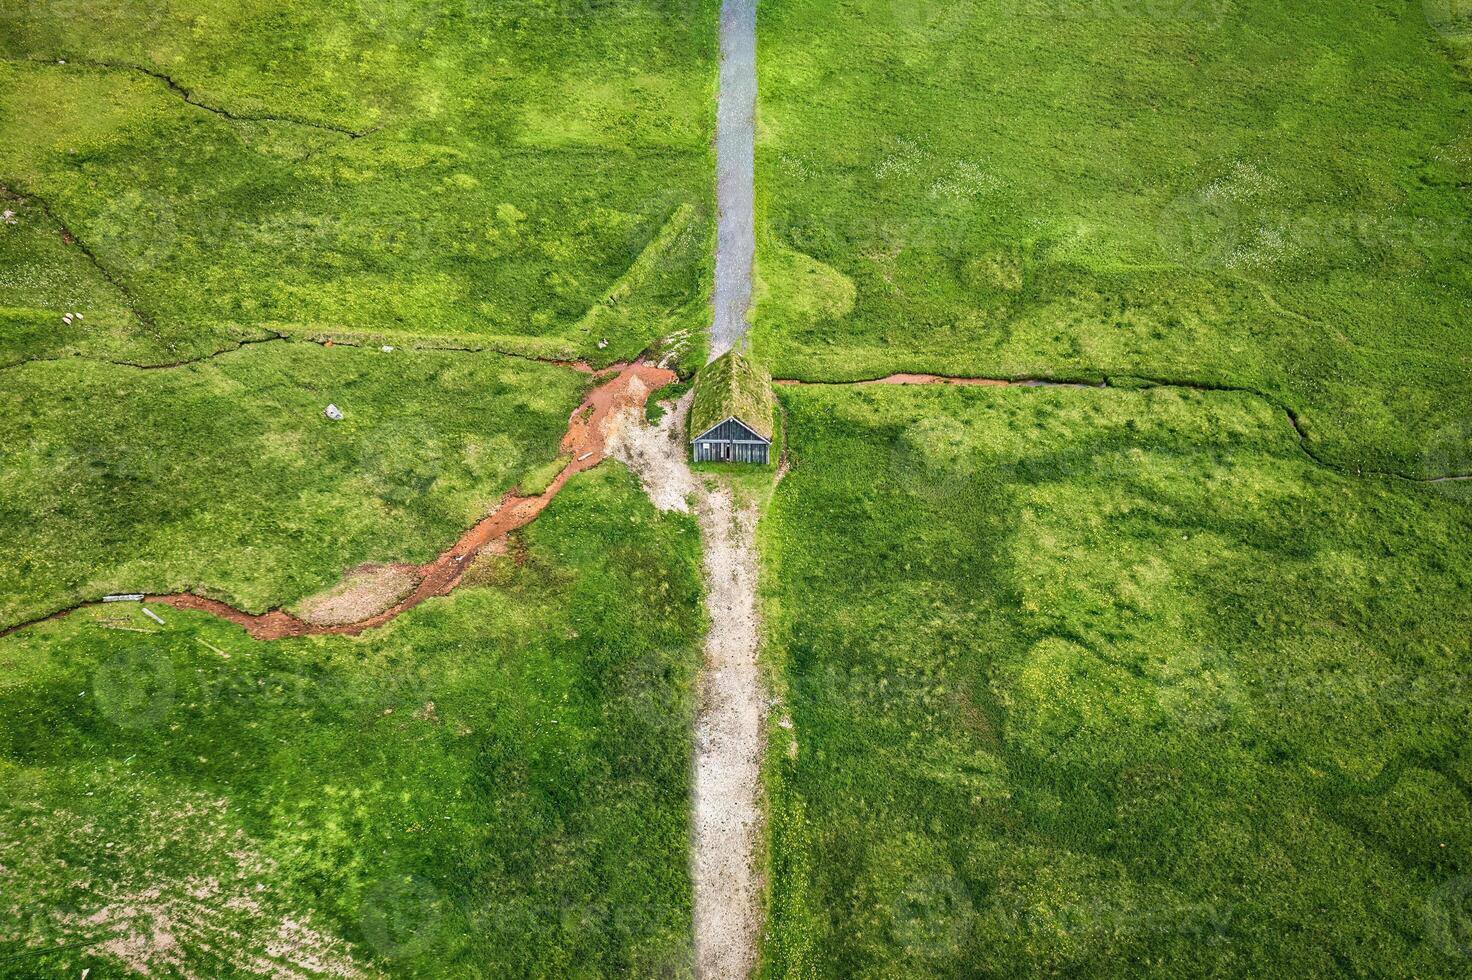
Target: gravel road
(726, 817)
(735, 123)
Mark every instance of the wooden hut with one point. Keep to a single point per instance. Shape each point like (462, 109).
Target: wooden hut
(733, 416)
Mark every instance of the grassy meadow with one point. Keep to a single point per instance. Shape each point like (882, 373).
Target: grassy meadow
(1265, 195)
(1106, 683)
(496, 784)
(531, 177)
(1164, 678)
(225, 478)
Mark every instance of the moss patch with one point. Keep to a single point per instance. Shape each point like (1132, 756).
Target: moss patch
(733, 387)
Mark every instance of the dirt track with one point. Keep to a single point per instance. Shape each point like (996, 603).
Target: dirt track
(726, 818)
(728, 746)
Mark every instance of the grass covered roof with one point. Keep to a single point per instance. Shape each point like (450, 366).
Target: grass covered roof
(733, 387)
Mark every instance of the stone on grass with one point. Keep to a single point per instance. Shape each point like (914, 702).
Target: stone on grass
(333, 412)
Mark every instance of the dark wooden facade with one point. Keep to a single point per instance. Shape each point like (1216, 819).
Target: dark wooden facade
(731, 442)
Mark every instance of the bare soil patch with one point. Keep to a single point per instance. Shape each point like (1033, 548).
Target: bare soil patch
(657, 455)
(366, 591)
(156, 920)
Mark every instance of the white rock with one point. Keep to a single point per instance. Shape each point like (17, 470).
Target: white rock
(333, 412)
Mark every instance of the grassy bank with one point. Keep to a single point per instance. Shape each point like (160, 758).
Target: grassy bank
(1105, 682)
(506, 172)
(1245, 193)
(495, 785)
(225, 477)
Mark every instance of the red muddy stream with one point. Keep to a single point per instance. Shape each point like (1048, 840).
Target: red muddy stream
(588, 429)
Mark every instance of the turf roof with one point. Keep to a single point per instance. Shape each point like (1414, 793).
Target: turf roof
(732, 387)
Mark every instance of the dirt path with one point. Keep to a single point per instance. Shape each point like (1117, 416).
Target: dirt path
(726, 818)
(728, 742)
(735, 125)
(589, 428)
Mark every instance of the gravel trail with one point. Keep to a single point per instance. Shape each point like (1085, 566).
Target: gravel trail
(735, 125)
(726, 816)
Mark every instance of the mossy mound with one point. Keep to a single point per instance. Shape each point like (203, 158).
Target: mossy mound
(733, 387)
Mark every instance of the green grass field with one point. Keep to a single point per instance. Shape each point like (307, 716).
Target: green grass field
(1255, 194)
(1167, 677)
(225, 477)
(1119, 681)
(1110, 683)
(531, 177)
(494, 785)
